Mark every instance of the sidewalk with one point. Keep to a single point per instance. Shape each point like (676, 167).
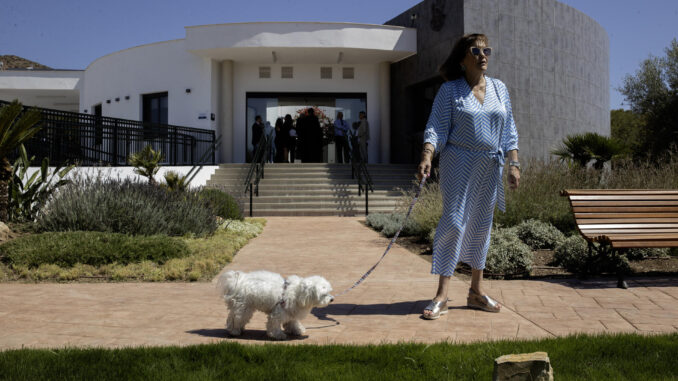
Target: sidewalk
(385, 308)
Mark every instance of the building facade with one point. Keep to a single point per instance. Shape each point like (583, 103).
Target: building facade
(553, 58)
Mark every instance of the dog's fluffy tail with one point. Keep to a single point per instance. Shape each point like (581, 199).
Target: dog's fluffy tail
(228, 282)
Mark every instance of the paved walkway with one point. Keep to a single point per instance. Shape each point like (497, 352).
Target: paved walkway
(385, 308)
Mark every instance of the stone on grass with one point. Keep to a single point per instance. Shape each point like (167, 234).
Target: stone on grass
(524, 366)
(5, 232)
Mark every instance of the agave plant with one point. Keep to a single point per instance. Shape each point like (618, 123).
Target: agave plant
(28, 194)
(146, 163)
(175, 181)
(16, 127)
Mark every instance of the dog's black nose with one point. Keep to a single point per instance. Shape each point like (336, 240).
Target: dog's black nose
(331, 299)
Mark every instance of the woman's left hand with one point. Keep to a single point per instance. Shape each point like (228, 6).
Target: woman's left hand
(513, 177)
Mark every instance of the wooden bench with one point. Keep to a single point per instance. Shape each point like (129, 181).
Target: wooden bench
(621, 219)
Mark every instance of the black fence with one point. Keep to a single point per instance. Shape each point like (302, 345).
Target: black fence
(69, 137)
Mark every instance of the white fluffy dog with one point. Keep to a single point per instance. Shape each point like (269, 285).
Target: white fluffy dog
(285, 301)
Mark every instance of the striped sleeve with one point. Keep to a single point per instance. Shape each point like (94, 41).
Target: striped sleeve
(510, 135)
(439, 122)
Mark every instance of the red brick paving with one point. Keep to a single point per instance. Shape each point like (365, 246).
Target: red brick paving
(384, 309)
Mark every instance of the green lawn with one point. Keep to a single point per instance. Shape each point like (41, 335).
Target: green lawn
(609, 357)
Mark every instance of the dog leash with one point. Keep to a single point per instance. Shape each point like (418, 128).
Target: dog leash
(362, 278)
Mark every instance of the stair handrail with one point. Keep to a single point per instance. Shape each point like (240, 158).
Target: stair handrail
(359, 169)
(256, 170)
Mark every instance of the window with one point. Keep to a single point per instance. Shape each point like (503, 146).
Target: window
(348, 73)
(264, 72)
(325, 73)
(154, 114)
(287, 72)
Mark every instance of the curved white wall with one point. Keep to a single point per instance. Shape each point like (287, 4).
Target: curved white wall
(165, 66)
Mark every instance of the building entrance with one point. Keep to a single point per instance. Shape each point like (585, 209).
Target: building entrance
(317, 146)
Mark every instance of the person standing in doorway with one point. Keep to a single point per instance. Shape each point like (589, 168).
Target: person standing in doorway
(363, 134)
(257, 133)
(315, 137)
(292, 140)
(286, 133)
(340, 136)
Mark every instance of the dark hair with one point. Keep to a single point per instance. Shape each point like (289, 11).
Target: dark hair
(278, 122)
(257, 117)
(288, 117)
(310, 111)
(451, 68)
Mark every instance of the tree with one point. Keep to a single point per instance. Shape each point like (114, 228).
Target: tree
(628, 128)
(653, 93)
(16, 127)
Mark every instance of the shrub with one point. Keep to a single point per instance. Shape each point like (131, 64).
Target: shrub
(90, 248)
(28, 194)
(643, 253)
(175, 181)
(127, 206)
(507, 254)
(539, 235)
(224, 205)
(389, 223)
(428, 209)
(573, 255)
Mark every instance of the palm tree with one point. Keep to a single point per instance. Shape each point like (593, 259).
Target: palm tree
(146, 163)
(582, 148)
(16, 127)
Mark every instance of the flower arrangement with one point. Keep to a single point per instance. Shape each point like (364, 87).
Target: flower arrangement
(326, 124)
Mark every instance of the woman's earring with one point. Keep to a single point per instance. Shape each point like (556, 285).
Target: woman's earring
(463, 68)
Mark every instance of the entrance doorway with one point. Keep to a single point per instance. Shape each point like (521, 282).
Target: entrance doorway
(271, 106)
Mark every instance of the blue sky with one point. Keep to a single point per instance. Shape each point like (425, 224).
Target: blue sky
(70, 34)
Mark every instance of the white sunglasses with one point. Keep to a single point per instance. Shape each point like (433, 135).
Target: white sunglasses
(487, 51)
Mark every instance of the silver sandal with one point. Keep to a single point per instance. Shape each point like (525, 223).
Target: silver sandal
(482, 302)
(436, 308)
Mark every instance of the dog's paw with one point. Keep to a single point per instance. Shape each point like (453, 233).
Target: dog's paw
(234, 332)
(295, 331)
(280, 335)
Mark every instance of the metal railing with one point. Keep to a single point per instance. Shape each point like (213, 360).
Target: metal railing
(359, 170)
(69, 137)
(256, 170)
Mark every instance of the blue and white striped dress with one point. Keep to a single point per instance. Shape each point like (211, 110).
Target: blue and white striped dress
(467, 135)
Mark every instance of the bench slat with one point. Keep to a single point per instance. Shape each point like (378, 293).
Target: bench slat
(655, 244)
(577, 192)
(625, 215)
(620, 197)
(625, 209)
(626, 231)
(637, 203)
(642, 237)
(589, 221)
(628, 226)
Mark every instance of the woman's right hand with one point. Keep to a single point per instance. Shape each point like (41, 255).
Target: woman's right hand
(424, 168)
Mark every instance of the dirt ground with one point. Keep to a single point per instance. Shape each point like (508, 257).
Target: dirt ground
(543, 263)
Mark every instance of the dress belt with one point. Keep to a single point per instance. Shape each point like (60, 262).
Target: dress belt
(500, 160)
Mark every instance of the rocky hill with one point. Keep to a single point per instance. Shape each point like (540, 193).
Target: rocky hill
(15, 62)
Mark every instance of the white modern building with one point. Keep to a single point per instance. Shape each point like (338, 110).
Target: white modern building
(221, 76)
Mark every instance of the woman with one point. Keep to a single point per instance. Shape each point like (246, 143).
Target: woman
(471, 125)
